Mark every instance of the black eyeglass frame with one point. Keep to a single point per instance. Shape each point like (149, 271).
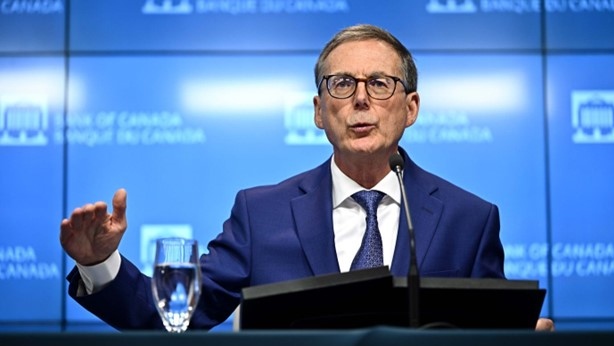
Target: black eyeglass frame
(365, 80)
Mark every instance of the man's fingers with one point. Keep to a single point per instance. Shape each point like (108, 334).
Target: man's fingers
(88, 214)
(119, 205)
(76, 218)
(65, 229)
(65, 224)
(545, 325)
(100, 211)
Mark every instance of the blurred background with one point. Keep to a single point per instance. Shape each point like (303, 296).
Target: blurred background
(184, 102)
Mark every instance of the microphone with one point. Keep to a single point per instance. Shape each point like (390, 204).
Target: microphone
(413, 277)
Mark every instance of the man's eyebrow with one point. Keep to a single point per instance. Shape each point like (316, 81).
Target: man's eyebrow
(370, 75)
(341, 73)
(378, 74)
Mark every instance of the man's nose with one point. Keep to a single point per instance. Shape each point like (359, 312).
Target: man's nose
(361, 96)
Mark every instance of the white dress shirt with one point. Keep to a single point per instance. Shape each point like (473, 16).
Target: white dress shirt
(349, 218)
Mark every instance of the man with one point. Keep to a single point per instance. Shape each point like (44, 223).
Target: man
(312, 223)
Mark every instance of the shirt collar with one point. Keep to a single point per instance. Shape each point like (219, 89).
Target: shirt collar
(344, 186)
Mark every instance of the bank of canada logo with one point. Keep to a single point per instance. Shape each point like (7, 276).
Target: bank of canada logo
(592, 116)
(149, 235)
(451, 6)
(24, 119)
(168, 7)
(298, 121)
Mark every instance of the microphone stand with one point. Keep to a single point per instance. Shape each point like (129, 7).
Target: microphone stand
(413, 276)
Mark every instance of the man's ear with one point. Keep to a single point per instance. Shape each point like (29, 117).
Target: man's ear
(413, 107)
(317, 112)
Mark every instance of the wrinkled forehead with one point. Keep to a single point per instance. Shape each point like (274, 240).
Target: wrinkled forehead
(363, 58)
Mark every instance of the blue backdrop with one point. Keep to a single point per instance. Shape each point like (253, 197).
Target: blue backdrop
(165, 97)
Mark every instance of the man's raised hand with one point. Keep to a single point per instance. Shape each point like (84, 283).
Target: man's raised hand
(90, 235)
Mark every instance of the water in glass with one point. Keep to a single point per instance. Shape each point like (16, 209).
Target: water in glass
(176, 281)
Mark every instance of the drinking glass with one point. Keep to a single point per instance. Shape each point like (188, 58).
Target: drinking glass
(176, 281)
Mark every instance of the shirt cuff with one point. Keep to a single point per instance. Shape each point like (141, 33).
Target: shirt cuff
(98, 276)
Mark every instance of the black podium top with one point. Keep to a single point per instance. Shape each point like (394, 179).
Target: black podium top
(372, 297)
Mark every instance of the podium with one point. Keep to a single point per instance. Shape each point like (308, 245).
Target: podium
(373, 297)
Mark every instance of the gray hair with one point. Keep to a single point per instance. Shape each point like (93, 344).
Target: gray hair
(363, 32)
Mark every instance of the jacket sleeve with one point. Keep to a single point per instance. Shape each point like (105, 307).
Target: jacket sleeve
(490, 256)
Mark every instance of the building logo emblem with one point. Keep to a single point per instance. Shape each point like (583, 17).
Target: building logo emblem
(592, 116)
(167, 7)
(24, 119)
(298, 121)
(451, 6)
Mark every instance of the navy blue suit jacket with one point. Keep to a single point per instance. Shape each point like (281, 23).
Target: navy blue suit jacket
(285, 231)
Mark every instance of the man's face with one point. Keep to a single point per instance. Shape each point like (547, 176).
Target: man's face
(360, 124)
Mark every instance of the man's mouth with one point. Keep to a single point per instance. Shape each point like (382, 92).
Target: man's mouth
(362, 128)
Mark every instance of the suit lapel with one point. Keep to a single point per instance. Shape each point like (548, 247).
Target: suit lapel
(425, 213)
(313, 216)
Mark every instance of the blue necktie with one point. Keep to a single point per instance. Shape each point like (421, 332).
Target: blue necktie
(370, 253)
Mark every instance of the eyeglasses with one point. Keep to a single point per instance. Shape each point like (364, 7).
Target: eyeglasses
(342, 86)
